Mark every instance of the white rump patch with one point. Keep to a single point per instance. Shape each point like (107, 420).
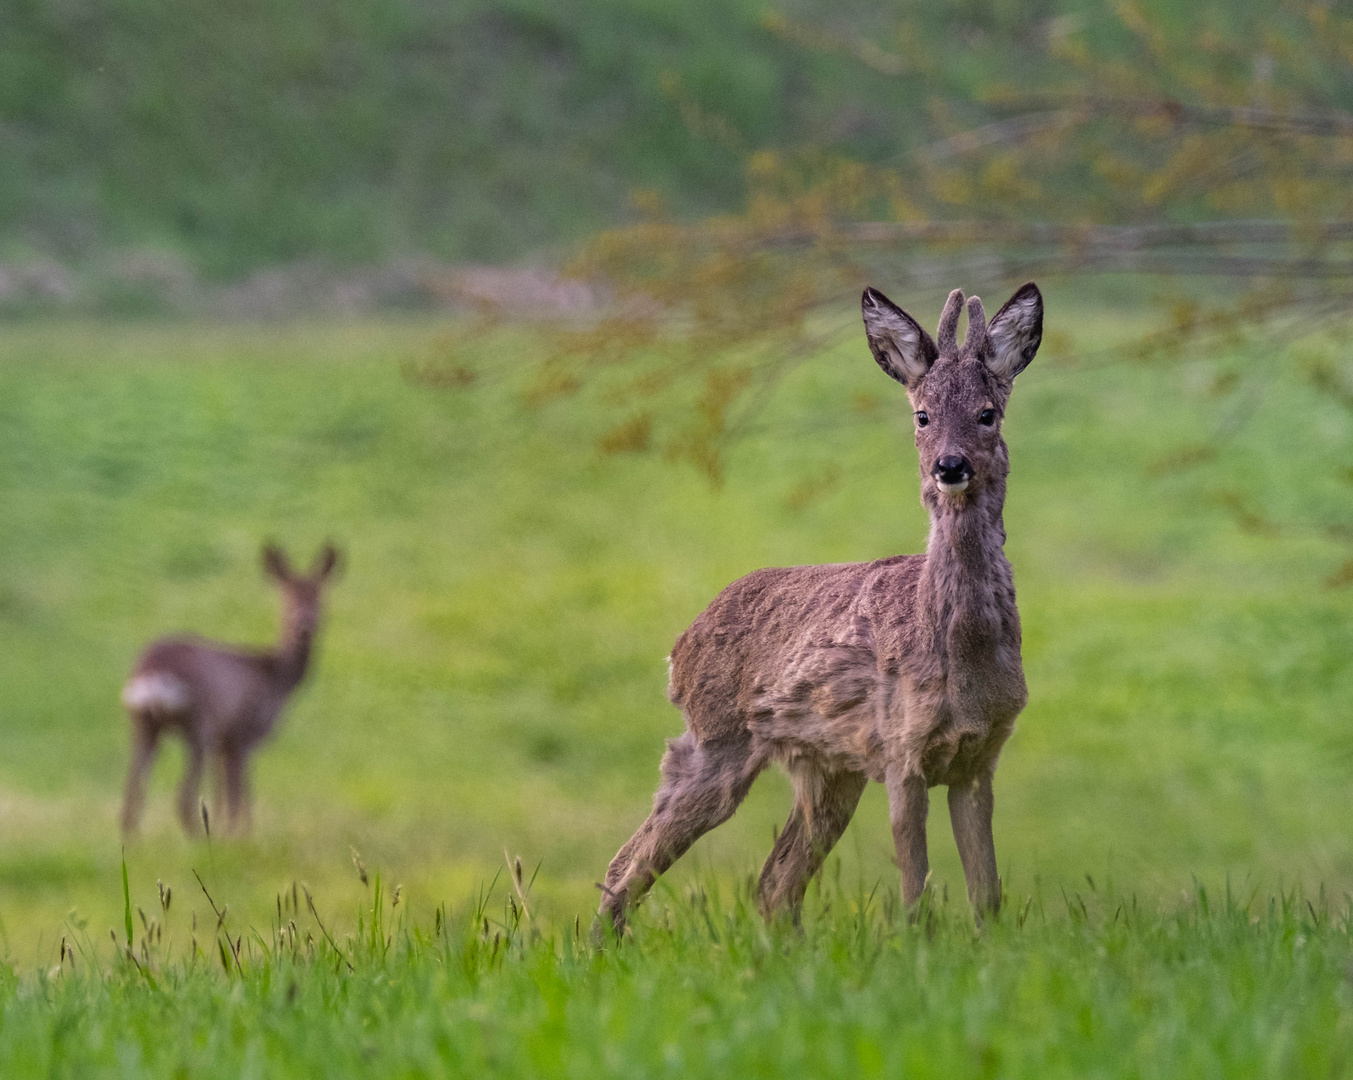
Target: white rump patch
(155, 692)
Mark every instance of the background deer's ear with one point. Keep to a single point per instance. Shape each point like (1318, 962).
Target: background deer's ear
(326, 562)
(1015, 332)
(901, 347)
(275, 563)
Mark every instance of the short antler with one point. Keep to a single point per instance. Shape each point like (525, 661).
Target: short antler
(976, 341)
(947, 338)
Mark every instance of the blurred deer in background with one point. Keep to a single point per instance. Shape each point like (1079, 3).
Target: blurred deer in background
(223, 700)
(906, 670)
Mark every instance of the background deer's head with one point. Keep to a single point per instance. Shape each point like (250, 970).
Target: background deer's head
(302, 593)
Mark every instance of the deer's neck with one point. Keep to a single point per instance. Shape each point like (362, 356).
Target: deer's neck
(966, 578)
(293, 656)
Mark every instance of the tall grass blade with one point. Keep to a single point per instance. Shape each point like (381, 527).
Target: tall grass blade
(126, 902)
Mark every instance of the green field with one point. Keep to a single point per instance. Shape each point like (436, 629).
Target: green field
(491, 678)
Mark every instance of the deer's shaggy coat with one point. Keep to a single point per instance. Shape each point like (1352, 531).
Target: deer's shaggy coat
(905, 670)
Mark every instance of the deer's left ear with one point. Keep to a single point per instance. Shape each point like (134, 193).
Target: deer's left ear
(1015, 332)
(326, 562)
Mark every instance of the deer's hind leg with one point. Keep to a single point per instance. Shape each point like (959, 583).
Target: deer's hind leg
(823, 807)
(145, 743)
(702, 784)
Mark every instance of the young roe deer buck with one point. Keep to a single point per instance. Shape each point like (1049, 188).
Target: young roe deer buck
(223, 700)
(906, 670)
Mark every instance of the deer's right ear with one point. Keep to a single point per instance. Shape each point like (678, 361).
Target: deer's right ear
(275, 563)
(902, 348)
(1016, 332)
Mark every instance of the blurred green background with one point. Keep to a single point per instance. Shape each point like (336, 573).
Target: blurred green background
(152, 143)
(491, 674)
(241, 135)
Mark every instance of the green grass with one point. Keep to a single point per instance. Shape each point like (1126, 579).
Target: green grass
(1102, 987)
(491, 677)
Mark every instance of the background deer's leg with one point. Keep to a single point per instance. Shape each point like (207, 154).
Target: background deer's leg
(908, 805)
(970, 806)
(145, 742)
(702, 784)
(215, 768)
(233, 764)
(808, 837)
(190, 787)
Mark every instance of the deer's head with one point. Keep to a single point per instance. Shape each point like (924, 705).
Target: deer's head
(958, 392)
(302, 593)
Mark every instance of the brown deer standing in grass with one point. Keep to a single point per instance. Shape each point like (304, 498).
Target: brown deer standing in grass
(906, 671)
(223, 701)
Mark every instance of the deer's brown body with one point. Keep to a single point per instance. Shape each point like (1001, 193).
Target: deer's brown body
(905, 671)
(222, 701)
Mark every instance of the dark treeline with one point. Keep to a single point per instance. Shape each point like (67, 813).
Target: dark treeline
(242, 135)
(247, 134)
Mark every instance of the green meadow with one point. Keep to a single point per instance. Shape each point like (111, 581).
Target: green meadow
(1173, 815)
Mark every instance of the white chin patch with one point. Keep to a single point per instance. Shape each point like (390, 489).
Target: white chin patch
(951, 489)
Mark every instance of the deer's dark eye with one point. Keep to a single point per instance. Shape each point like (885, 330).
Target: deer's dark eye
(987, 417)
(922, 419)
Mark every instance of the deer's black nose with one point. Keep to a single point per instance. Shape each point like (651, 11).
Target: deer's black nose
(952, 469)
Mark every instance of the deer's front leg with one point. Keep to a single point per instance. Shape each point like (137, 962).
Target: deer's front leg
(970, 805)
(189, 788)
(908, 804)
(234, 762)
